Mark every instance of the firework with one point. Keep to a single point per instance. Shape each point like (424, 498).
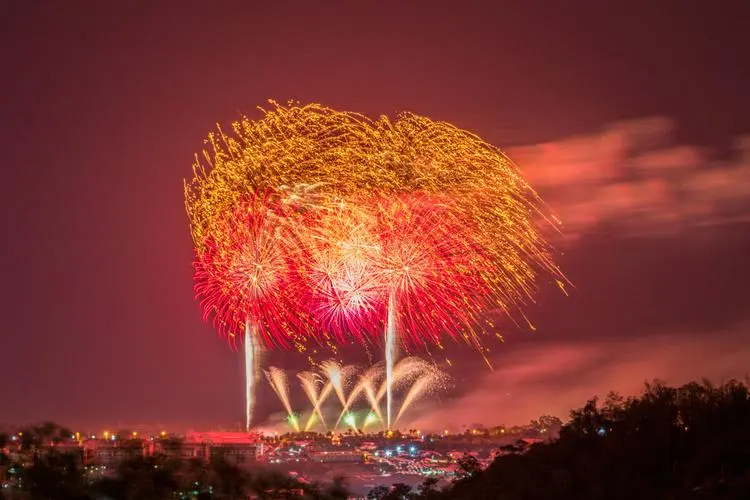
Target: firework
(371, 418)
(247, 279)
(368, 389)
(426, 383)
(248, 273)
(351, 420)
(277, 379)
(413, 379)
(312, 224)
(365, 385)
(339, 378)
(424, 266)
(311, 385)
(252, 367)
(404, 373)
(343, 286)
(408, 259)
(315, 157)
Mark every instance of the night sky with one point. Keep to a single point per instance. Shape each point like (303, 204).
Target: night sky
(628, 116)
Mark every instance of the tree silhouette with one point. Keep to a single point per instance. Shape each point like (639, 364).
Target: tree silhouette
(428, 489)
(378, 493)
(54, 476)
(468, 466)
(337, 490)
(227, 480)
(4, 458)
(690, 442)
(399, 491)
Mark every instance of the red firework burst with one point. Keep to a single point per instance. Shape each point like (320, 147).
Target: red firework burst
(250, 272)
(432, 268)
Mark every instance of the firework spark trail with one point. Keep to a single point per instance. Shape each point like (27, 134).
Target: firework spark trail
(310, 383)
(351, 421)
(343, 286)
(371, 418)
(424, 384)
(339, 379)
(366, 380)
(407, 373)
(413, 375)
(390, 354)
(323, 396)
(369, 391)
(293, 420)
(336, 378)
(278, 381)
(356, 391)
(251, 370)
(404, 372)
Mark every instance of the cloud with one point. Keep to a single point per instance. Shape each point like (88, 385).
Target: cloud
(631, 174)
(555, 378)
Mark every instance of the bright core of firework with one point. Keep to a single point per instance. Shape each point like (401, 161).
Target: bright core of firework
(344, 289)
(351, 420)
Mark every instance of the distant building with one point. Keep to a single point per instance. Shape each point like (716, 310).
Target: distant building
(71, 448)
(368, 445)
(236, 447)
(111, 453)
(175, 448)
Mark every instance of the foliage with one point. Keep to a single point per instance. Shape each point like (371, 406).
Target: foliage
(689, 442)
(398, 491)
